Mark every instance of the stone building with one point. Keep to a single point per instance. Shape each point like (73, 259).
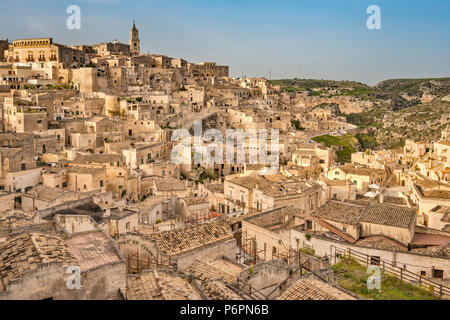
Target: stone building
(42, 51)
(33, 266)
(208, 69)
(19, 171)
(262, 193)
(362, 177)
(177, 249)
(23, 116)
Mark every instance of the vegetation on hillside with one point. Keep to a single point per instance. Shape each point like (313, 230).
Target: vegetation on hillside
(349, 144)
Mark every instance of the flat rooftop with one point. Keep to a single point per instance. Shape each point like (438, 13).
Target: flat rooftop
(92, 249)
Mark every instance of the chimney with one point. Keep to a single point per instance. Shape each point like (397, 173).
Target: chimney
(381, 198)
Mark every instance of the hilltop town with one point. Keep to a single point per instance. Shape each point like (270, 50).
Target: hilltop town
(88, 181)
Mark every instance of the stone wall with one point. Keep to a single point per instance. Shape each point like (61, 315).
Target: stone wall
(50, 281)
(212, 251)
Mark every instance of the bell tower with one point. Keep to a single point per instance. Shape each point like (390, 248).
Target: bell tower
(135, 43)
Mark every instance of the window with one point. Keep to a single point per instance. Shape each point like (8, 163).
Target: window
(438, 273)
(23, 166)
(344, 229)
(374, 260)
(101, 183)
(127, 226)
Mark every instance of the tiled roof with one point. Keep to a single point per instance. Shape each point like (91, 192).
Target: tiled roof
(275, 219)
(184, 240)
(381, 242)
(336, 231)
(173, 287)
(339, 212)
(194, 201)
(46, 193)
(28, 251)
(204, 271)
(217, 290)
(170, 185)
(350, 169)
(16, 218)
(159, 285)
(142, 287)
(442, 251)
(313, 289)
(394, 200)
(84, 170)
(215, 187)
(97, 158)
(439, 194)
(394, 216)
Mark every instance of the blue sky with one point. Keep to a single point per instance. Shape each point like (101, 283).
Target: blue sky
(322, 39)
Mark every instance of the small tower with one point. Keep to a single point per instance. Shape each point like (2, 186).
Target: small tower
(135, 43)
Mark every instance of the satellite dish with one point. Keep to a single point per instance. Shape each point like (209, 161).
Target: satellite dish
(53, 164)
(36, 158)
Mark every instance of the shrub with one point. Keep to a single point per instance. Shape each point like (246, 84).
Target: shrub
(251, 269)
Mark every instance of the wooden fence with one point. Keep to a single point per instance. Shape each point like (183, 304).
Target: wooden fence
(436, 288)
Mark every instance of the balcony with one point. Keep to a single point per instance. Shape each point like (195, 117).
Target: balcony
(42, 59)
